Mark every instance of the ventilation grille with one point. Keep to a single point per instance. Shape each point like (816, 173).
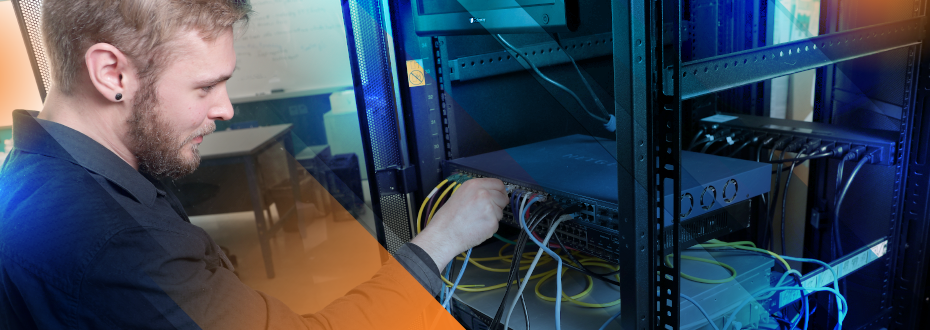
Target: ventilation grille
(30, 13)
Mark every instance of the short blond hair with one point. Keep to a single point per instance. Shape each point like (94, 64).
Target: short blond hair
(141, 29)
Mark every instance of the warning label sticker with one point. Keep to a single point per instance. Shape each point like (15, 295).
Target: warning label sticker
(415, 73)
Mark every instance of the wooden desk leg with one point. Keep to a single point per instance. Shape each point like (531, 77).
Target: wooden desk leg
(260, 224)
(295, 187)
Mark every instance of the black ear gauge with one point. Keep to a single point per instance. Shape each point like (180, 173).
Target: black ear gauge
(119, 96)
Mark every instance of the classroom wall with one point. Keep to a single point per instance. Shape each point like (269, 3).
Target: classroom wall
(18, 89)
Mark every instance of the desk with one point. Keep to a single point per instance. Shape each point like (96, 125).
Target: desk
(243, 146)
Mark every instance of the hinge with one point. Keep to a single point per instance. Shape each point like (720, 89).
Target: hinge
(396, 180)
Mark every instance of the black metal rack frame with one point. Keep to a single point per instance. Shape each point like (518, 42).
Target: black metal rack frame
(651, 81)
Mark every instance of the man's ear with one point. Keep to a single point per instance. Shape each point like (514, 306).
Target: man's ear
(109, 71)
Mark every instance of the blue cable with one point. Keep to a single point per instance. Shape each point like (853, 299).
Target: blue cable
(839, 298)
(701, 309)
(445, 303)
(611, 319)
(794, 323)
(442, 294)
(842, 312)
(558, 283)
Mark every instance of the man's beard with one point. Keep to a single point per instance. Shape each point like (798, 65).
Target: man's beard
(157, 147)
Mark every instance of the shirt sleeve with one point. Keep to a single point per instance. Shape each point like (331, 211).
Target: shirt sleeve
(421, 266)
(154, 278)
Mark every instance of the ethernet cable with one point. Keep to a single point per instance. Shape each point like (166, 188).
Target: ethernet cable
(603, 277)
(707, 145)
(441, 196)
(840, 298)
(445, 304)
(505, 240)
(695, 138)
(841, 195)
(852, 176)
(517, 257)
(425, 200)
(784, 199)
(744, 245)
(709, 319)
(516, 52)
(542, 247)
(800, 159)
(574, 299)
(584, 79)
(740, 148)
(668, 263)
(749, 246)
(611, 319)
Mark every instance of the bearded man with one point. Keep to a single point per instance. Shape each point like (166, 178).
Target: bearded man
(89, 237)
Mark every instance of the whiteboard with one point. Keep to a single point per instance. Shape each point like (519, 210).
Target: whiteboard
(291, 47)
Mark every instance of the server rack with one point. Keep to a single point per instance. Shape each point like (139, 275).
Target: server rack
(664, 79)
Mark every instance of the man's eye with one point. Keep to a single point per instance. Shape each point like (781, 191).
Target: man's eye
(208, 88)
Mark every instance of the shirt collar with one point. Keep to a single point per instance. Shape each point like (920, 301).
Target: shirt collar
(59, 141)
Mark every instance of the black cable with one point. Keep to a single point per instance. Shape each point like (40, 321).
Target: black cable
(583, 269)
(784, 200)
(695, 138)
(718, 150)
(526, 314)
(800, 159)
(839, 202)
(514, 264)
(767, 237)
(536, 217)
(707, 145)
(597, 101)
(691, 148)
(546, 78)
(740, 148)
(517, 256)
(837, 249)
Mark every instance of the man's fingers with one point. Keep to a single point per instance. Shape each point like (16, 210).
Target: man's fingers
(490, 183)
(500, 199)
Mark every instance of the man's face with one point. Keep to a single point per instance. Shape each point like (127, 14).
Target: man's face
(171, 116)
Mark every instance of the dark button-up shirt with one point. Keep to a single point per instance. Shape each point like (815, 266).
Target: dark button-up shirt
(88, 242)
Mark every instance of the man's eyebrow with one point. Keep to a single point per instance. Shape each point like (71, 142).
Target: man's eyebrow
(215, 81)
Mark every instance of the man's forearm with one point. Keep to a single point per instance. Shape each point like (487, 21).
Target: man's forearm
(421, 266)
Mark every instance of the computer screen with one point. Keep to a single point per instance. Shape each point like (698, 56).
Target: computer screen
(461, 17)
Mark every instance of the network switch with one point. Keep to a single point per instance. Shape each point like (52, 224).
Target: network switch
(578, 171)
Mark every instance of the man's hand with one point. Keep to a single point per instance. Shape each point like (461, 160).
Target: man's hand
(467, 219)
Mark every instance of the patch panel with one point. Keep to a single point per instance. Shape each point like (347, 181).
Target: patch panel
(726, 125)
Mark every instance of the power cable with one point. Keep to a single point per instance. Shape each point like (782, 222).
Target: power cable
(584, 79)
(784, 199)
(546, 78)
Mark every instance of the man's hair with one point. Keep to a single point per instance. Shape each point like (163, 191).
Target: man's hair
(141, 29)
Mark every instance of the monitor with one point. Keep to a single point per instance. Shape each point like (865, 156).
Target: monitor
(463, 17)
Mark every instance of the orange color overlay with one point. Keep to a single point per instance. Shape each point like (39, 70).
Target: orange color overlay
(337, 277)
(18, 88)
(392, 299)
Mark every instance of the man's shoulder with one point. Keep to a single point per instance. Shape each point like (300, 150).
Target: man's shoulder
(35, 185)
(54, 216)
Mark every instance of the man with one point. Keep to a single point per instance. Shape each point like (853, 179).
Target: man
(90, 239)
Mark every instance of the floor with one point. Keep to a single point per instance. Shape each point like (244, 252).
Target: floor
(338, 253)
